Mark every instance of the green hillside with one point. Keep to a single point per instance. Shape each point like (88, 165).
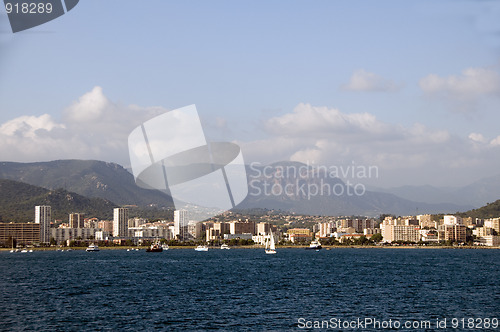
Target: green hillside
(490, 210)
(90, 178)
(18, 201)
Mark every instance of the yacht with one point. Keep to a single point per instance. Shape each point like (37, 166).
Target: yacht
(201, 248)
(270, 246)
(155, 247)
(315, 245)
(92, 247)
(225, 246)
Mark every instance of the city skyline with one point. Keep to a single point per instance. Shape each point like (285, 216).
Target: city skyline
(411, 88)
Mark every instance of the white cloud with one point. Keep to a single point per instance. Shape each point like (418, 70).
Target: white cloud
(362, 80)
(89, 108)
(477, 138)
(92, 128)
(415, 154)
(472, 83)
(307, 120)
(29, 126)
(495, 141)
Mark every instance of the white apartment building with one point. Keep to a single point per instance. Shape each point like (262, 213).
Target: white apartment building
(120, 222)
(43, 215)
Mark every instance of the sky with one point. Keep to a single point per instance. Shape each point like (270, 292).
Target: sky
(410, 87)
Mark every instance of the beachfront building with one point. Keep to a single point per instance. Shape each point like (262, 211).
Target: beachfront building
(43, 215)
(120, 222)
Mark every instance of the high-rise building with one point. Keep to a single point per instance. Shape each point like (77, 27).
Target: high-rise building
(42, 217)
(120, 222)
(457, 233)
(452, 220)
(76, 220)
(181, 224)
(240, 227)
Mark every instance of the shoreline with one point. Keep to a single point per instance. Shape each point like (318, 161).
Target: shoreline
(259, 247)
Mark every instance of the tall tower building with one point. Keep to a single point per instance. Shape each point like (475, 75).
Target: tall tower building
(42, 217)
(181, 224)
(76, 220)
(120, 222)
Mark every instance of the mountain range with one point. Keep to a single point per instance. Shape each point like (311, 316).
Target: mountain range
(477, 193)
(113, 183)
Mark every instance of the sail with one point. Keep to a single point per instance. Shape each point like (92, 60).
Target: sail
(272, 247)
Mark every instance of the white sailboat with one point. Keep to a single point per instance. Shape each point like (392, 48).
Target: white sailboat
(270, 246)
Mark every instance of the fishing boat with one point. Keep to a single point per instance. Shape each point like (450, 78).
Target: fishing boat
(270, 246)
(155, 247)
(315, 245)
(92, 247)
(201, 248)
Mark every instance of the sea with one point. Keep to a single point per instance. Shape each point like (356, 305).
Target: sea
(247, 290)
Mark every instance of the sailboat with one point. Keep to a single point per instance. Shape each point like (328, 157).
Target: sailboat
(270, 246)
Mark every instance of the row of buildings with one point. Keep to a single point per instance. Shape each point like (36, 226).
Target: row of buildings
(415, 229)
(406, 229)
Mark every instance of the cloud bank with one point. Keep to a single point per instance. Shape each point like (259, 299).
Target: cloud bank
(92, 127)
(417, 154)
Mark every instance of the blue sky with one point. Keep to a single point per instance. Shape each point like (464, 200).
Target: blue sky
(412, 87)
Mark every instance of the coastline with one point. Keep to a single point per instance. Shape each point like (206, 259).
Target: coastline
(259, 247)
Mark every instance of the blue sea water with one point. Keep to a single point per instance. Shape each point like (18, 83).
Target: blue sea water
(243, 289)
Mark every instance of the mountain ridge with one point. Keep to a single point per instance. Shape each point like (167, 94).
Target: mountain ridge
(98, 179)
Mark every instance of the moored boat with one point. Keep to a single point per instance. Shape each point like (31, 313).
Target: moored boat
(92, 247)
(225, 246)
(315, 245)
(155, 247)
(201, 248)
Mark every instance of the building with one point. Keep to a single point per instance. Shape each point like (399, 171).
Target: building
(196, 229)
(493, 223)
(181, 224)
(326, 228)
(371, 231)
(391, 233)
(239, 227)
(19, 233)
(453, 232)
(43, 215)
(425, 220)
(263, 228)
(299, 235)
(217, 231)
(452, 220)
(64, 234)
(106, 225)
(489, 240)
(120, 222)
(76, 220)
(361, 224)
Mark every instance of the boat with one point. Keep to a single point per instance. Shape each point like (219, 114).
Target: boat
(315, 245)
(270, 246)
(92, 247)
(155, 247)
(225, 246)
(201, 248)
(164, 246)
(24, 250)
